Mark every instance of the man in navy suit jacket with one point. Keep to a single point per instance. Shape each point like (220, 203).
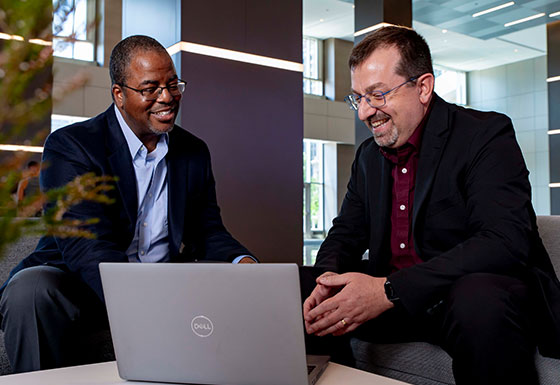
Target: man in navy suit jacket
(165, 209)
(440, 197)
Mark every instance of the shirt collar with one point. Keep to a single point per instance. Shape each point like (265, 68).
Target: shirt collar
(135, 146)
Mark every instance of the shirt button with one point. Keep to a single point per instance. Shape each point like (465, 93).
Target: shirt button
(404, 170)
(144, 224)
(402, 207)
(142, 252)
(402, 245)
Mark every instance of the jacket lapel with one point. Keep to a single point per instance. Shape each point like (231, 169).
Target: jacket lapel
(121, 164)
(379, 187)
(177, 171)
(433, 142)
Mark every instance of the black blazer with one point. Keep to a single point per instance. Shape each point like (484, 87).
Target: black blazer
(472, 213)
(98, 145)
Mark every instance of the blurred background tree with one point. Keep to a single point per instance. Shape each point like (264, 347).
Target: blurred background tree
(26, 100)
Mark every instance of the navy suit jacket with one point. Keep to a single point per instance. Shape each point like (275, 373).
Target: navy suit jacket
(472, 213)
(196, 231)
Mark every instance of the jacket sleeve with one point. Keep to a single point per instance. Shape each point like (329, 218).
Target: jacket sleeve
(64, 158)
(495, 219)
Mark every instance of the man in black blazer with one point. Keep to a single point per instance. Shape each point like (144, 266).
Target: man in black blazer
(441, 199)
(165, 209)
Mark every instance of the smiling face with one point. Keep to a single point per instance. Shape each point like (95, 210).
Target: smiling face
(393, 124)
(148, 119)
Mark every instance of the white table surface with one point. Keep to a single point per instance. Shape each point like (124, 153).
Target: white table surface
(106, 374)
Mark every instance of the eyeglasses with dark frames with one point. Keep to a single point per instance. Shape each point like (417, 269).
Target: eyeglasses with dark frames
(375, 99)
(152, 93)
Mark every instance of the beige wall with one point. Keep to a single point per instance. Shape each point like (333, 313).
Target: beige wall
(336, 73)
(110, 29)
(86, 100)
(86, 86)
(519, 90)
(334, 122)
(327, 120)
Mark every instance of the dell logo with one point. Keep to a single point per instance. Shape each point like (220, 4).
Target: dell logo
(202, 326)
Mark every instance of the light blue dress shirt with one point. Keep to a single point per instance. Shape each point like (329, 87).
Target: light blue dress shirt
(151, 241)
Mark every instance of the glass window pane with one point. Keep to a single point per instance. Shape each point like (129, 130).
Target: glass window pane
(63, 20)
(306, 167)
(306, 54)
(313, 190)
(70, 19)
(310, 58)
(316, 207)
(80, 20)
(83, 50)
(313, 71)
(316, 87)
(316, 160)
(62, 48)
(306, 86)
(450, 85)
(310, 249)
(312, 82)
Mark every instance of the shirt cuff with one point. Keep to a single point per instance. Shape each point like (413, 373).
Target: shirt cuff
(239, 258)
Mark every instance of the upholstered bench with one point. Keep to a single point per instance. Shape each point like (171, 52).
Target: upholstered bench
(425, 364)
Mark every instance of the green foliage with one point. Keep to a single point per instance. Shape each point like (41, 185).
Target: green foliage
(25, 107)
(86, 187)
(25, 68)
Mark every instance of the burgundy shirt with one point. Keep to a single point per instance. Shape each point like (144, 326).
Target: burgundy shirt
(404, 162)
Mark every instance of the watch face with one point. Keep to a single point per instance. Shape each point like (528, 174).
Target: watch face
(390, 293)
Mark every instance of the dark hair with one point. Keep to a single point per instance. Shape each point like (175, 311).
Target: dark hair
(122, 54)
(415, 60)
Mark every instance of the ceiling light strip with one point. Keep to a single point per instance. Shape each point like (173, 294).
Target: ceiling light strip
(40, 42)
(372, 28)
(6, 36)
(17, 147)
(553, 132)
(553, 79)
(554, 14)
(524, 19)
(553, 185)
(493, 9)
(235, 55)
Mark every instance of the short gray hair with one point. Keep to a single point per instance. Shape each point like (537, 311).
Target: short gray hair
(122, 55)
(415, 54)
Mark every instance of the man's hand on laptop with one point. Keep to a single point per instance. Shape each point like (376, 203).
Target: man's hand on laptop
(342, 302)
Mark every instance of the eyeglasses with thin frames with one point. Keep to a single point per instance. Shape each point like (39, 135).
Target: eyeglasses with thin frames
(152, 93)
(375, 99)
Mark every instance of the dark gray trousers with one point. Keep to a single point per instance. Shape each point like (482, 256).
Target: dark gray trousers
(483, 324)
(47, 316)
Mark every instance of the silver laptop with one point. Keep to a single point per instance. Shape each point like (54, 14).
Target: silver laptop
(208, 323)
